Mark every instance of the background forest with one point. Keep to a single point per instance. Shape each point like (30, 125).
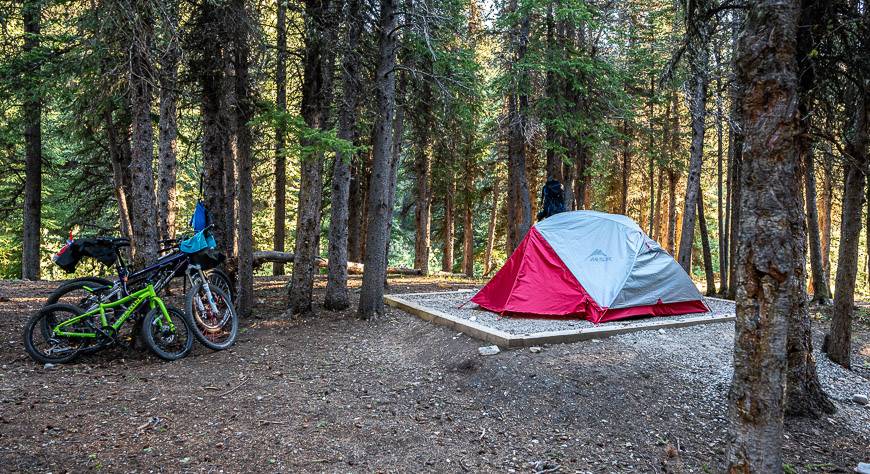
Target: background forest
(629, 104)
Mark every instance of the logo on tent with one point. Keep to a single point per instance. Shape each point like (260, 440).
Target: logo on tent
(598, 256)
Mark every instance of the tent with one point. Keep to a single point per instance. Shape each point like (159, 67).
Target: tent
(593, 265)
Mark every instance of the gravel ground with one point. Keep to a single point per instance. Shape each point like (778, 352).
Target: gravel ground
(458, 304)
(709, 369)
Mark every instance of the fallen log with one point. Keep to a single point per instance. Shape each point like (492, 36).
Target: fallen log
(353, 268)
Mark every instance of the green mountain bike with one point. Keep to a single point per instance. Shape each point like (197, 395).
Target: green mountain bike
(59, 332)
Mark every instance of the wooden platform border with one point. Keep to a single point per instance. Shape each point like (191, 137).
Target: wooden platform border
(505, 339)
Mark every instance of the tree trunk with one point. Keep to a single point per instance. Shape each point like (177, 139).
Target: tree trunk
(581, 179)
(210, 73)
(735, 157)
(32, 110)
(314, 110)
(705, 245)
(626, 168)
(395, 161)
(650, 152)
(336, 297)
(772, 240)
(519, 208)
(804, 395)
(821, 293)
(230, 144)
(371, 294)
(657, 217)
(490, 233)
(168, 125)
(720, 208)
(839, 346)
(120, 156)
(423, 172)
(811, 14)
(356, 205)
(698, 61)
(144, 216)
(280, 217)
(468, 227)
(672, 210)
(244, 142)
(447, 254)
(826, 208)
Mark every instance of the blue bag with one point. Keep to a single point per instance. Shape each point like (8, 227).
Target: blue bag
(200, 218)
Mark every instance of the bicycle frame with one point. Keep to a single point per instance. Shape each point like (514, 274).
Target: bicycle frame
(138, 298)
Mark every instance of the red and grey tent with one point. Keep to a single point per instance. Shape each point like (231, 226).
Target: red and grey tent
(592, 265)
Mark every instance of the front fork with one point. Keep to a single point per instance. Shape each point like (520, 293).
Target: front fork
(197, 270)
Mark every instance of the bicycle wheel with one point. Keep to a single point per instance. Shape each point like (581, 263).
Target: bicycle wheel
(44, 346)
(218, 278)
(79, 292)
(215, 326)
(168, 343)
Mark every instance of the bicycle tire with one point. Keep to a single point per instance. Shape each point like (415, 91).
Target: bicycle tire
(37, 322)
(179, 349)
(206, 331)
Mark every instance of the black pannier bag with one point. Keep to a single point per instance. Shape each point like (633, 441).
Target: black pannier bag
(101, 249)
(207, 258)
(552, 199)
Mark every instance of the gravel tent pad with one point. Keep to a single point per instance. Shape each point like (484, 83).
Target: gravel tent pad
(454, 309)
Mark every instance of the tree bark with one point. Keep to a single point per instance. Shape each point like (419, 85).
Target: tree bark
(705, 246)
(356, 209)
(423, 173)
(141, 166)
(626, 168)
(449, 227)
(771, 254)
(490, 233)
(826, 208)
(698, 63)
(208, 66)
(167, 146)
(672, 210)
(395, 160)
(336, 297)
(280, 217)
(316, 87)
(519, 208)
(839, 347)
(32, 111)
(812, 13)
(651, 153)
(371, 294)
(120, 155)
(720, 208)
(244, 142)
(735, 150)
(468, 225)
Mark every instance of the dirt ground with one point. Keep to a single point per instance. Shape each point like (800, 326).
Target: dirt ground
(335, 394)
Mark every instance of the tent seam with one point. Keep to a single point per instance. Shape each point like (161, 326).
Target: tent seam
(519, 269)
(627, 275)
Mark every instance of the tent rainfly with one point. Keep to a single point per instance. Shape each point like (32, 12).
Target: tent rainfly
(593, 265)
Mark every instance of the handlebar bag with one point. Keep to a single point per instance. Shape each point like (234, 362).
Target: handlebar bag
(198, 242)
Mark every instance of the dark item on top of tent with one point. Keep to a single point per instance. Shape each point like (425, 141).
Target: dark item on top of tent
(103, 249)
(591, 265)
(552, 199)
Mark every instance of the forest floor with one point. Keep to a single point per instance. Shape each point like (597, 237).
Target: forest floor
(331, 393)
